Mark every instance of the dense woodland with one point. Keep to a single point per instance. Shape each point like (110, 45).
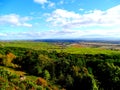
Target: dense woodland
(52, 70)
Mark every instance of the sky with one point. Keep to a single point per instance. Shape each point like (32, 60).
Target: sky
(59, 19)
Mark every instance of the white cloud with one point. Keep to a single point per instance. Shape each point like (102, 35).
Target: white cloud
(3, 35)
(81, 9)
(64, 18)
(43, 2)
(61, 2)
(51, 4)
(26, 25)
(63, 34)
(113, 33)
(14, 19)
(90, 24)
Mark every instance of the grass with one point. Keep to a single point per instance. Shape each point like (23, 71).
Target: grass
(28, 44)
(18, 73)
(51, 47)
(87, 50)
(13, 71)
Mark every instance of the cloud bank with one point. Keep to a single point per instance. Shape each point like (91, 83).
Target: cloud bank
(64, 34)
(67, 19)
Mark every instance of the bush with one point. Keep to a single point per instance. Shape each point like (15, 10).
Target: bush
(41, 81)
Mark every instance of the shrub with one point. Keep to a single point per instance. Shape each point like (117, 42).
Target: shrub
(41, 81)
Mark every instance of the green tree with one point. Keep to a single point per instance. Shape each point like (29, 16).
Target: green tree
(46, 75)
(109, 76)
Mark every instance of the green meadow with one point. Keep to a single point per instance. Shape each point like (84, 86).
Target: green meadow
(28, 44)
(58, 48)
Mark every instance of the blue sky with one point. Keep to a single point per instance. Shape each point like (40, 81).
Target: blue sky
(59, 19)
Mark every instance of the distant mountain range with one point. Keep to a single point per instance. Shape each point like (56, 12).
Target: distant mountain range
(78, 40)
(99, 40)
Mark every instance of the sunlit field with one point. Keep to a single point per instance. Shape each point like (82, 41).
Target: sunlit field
(58, 48)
